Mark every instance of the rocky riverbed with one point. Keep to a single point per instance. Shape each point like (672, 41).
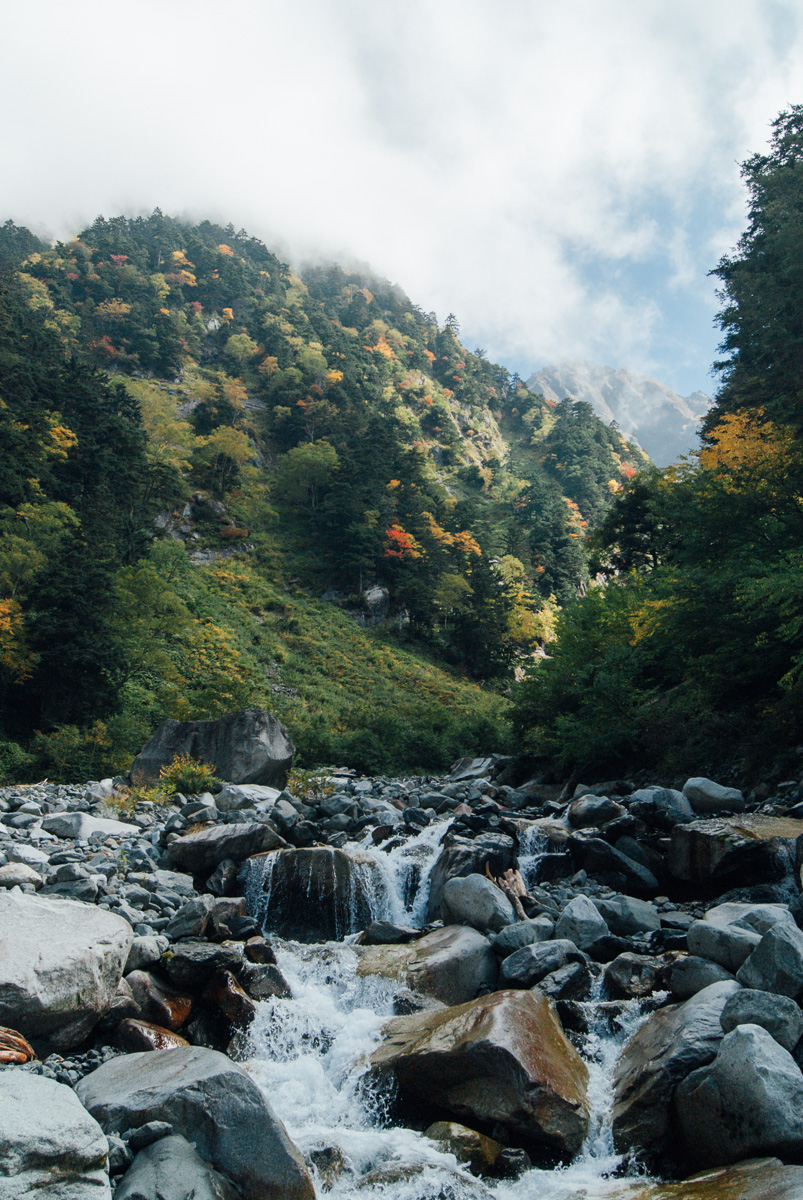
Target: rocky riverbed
(413, 989)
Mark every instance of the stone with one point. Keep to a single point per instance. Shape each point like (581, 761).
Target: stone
(14, 1049)
(192, 964)
(633, 976)
(122, 1007)
(690, 974)
(627, 915)
(50, 1145)
(523, 933)
(727, 945)
(18, 875)
(246, 795)
(250, 746)
(210, 1101)
(755, 1179)
(779, 1015)
(451, 964)
(759, 917)
(145, 951)
(170, 1169)
(531, 964)
(478, 1152)
(463, 856)
(776, 964)
(662, 808)
(264, 981)
(593, 810)
(60, 964)
(570, 982)
(596, 857)
(200, 852)
(80, 826)
(748, 1102)
(706, 796)
(191, 920)
(733, 851)
(473, 768)
(146, 1135)
(224, 993)
(501, 1059)
(132, 1035)
(159, 1002)
(581, 922)
(669, 1045)
(475, 900)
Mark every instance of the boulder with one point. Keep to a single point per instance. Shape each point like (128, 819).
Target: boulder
(478, 1152)
(531, 964)
(18, 875)
(170, 1169)
(475, 900)
(747, 1102)
(593, 810)
(50, 1145)
(633, 976)
(210, 1101)
(473, 768)
(200, 852)
(759, 917)
(776, 964)
(733, 851)
(80, 826)
(243, 795)
(132, 1035)
(662, 808)
(727, 945)
(316, 894)
(755, 1179)
(779, 1015)
(451, 964)
(581, 922)
(60, 964)
(463, 856)
(158, 1001)
(706, 796)
(502, 1059)
(597, 857)
(250, 746)
(690, 974)
(192, 964)
(145, 951)
(626, 915)
(669, 1045)
(523, 933)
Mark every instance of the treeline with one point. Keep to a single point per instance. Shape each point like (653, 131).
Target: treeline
(691, 654)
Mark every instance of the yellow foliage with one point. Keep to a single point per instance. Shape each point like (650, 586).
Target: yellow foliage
(464, 541)
(334, 377)
(270, 364)
(62, 439)
(15, 656)
(227, 250)
(228, 315)
(749, 450)
(112, 310)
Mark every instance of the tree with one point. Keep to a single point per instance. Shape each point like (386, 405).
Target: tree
(305, 471)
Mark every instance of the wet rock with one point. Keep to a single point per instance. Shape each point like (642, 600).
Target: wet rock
(200, 852)
(60, 964)
(689, 975)
(500, 1059)
(263, 981)
(385, 933)
(531, 964)
(211, 1102)
(747, 1102)
(170, 1169)
(732, 851)
(706, 796)
(50, 1145)
(779, 1015)
(581, 922)
(133, 1035)
(633, 976)
(478, 1152)
(727, 945)
(224, 993)
(250, 746)
(671, 1044)
(474, 900)
(460, 857)
(572, 982)
(594, 810)
(522, 933)
(192, 964)
(451, 964)
(627, 915)
(14, 1049)
(776, 964)
(755, 1179)
(159, 1002)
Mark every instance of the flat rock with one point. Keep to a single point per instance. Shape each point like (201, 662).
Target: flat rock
(450, 964)
(251, 746)
(60, 964)
(740, 850)
(80, 826)
(200, 852)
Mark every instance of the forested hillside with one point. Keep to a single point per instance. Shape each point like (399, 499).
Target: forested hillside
(692, 654)
(199, 443)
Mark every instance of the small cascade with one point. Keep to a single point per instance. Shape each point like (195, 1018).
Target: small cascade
(406, 869)
(533, 842)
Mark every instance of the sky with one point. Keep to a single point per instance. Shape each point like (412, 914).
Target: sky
(560, 176)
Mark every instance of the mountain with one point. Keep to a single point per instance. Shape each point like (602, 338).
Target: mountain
(662, 422)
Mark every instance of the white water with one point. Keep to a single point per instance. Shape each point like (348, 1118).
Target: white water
(311, 1053)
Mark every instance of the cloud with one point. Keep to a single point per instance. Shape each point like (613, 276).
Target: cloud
(560, 176)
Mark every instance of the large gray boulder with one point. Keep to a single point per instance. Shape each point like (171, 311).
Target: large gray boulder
(523, 933)
(581, 922)
(500, 1059)
(779, 1015)
(475, 900)
(452, 964)
(210, 1101)
(626, 915)
(49, 1144)
(669, 1045)
(468, 856)
(759, 917)
(171, 1169)
(727, 945)
(747, 1103)
(246, 795)
(663, 808)
(776, 964)
(251, 746)
(733, 851)
(60, 964)
(81, 826)
(706, 796)
(200, 852)
(528, 966)
(690, 974)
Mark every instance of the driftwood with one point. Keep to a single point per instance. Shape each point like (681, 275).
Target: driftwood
(13, 1047)
(512, 885)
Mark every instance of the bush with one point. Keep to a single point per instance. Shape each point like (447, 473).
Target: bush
(187, 774)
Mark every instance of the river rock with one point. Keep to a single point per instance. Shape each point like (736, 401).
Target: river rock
(779, 1015)
(463, 856)
(80, 826)
(706, 796)
(670, 1044)
(690, 974)
(502, 1058)
(251, 746)
(478, 1152)
(211, 1102)
(50, 1145)
(522, 933)
(662, 808)
(755, 1179)
(776, 964)
(159, 1002)
(145, 951)
(581, 922)
(597, 857)
(60, 964)
(627, 915)
(531, 964)
(727, 945)
(451, 964)
(475, 900)
(246, 795)
(747, 1102)
(759, 917)
(200, 852)
(632, 976)
(733, 851)
(170, 1169)
(191, 964)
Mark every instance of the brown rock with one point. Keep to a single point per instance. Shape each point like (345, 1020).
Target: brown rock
(158, 1001)
(224, 992)
(13, 1048)
(259, 950)
(754, 1179)
(133, 1035)
(478, 1152)
(633, 976)
(745, 849)
(502, 1058)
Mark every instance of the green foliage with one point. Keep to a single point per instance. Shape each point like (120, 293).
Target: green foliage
(187, 774)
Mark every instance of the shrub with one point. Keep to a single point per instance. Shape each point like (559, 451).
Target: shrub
(186, 774)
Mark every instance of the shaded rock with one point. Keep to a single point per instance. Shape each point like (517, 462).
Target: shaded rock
(776, 964)
(632, 976)
(581, 922)
(572, 982)
(597, 857)
(593, 810)
(689, 975)
(461, 856)
(522, 933)
(200, 852)
(214, 1104)
(133, 1035)
(779, 1015)
(733, 851)
(159, 1002)
(170, 1169)
(60, 964)
(450, 964)
(50, 1145)
(192, 964)
(669, 1045)
(246, 795)
(662, 808)
(727, 945)
(122, 1007)
(223, 992)
(533, 963)
(250, 746)
(474, 900)
(500, 1059)
(627, 915)
(706, 796)
(385, 933)
(747, 1102)
(479, 1153)
(191, 920)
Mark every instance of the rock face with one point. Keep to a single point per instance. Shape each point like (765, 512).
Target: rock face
(747, 1102)
(732, 851)
(474, 900)
(673, 1042)
(50, 1145)
(318, 894)
(211, 1102)
(251, 746)
(60, 964)
(451, 964)
(503, 1058)
(170, 1169)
